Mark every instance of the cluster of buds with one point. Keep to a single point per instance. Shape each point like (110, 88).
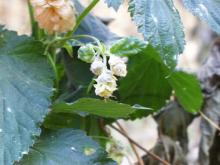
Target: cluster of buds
(106, 80)
(106, 67)
(54, 15)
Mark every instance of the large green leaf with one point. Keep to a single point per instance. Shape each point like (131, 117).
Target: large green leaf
(25, 88)
(114, 3)
(145, 83)
(127, 46)
(187, 90)
(160, 23)
(149, 83)
(66, 147)
(207, 10)
(109, 109)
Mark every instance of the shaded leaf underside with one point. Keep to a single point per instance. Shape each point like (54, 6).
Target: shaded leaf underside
(206, 10)
(114, 3)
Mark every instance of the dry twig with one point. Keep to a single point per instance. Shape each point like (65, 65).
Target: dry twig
(139, 146)
(140, 160)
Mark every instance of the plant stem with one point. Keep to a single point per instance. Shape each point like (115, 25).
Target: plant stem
(82, 16)
(83, 124)
(31, 14)
(90, 86)
(139, 146)
(63, 40)
(34, 26)
(102, 137)
(84, 36)
(53, 64)
(210, 121)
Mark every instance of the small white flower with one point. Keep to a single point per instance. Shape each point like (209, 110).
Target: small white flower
(106, 84)
(125, 59)
(97, 66)
(119, 69)
(106, 76)
(104, 90)
(113, 60)
(118, 65)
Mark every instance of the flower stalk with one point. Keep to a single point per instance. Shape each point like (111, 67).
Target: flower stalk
(81, 17)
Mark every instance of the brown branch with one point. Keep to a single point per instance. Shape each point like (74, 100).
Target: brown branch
(102, 126)
(140, 160)
(139, 146)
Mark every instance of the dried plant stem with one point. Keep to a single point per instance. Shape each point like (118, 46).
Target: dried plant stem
(210, 121)
(139, 146)
(140, 160)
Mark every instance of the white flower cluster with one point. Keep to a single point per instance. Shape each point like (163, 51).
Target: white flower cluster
(106, 80)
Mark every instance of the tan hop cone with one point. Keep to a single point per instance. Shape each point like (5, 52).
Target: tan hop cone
(54, 15)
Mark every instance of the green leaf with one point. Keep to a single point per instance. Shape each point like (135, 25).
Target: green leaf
(90, 124)
(108, 109)
(67, 147)
(62, 120)
(145, 83)
(187, 90)
(149, 83)
(114, 3)
(77, 71)
(160, 24)
(206, 10)
(127, 46)
(25, 89)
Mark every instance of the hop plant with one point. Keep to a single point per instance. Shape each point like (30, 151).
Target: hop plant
(54, 15)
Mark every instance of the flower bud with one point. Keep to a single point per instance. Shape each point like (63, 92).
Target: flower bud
(118, 65)
(86, 53)
(97, 66)
(106, 76)
(119, 69)
(104, 90)
(54, 15)
(113, 60)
